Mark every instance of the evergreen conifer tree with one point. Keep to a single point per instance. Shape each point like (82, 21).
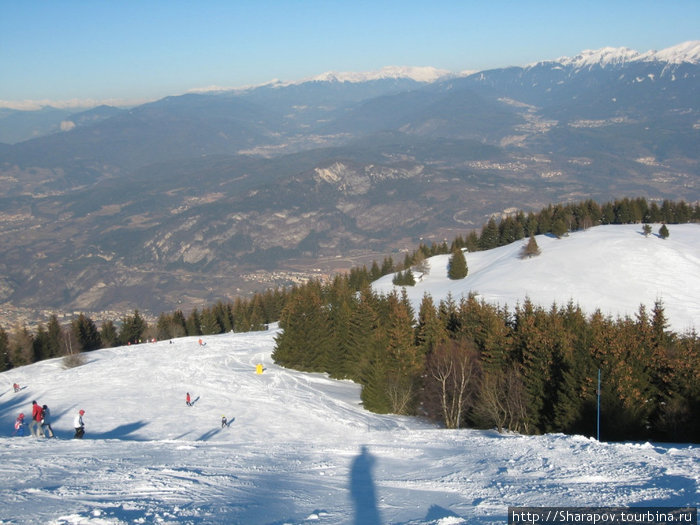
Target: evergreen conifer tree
(488, 326)
(449, 315)
(193, 323)
(531, 345)
(472, 242)
(164, 326)
(663, 232)
(305, 341)
(41, 344)
(132, 329)
(531, 249)
(108, 334)
(489, 235)
(88, 337)
(559, 228)
(5, 363)
(362, 336)
(21, 344)
(457, 265)
(224, 316)
(404, 360)
(430, 331)
(375, 383)
(209, 324)
(55, 336)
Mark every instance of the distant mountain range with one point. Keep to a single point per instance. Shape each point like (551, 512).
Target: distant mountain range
(112, 209)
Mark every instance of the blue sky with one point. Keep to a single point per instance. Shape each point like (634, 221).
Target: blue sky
(129, 50)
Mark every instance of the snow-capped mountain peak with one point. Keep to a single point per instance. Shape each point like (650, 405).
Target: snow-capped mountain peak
(685, 52)
(417, 73)
(605, 56)
(615, 56)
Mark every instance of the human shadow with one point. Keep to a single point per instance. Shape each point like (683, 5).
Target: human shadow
(207, 435)
(192, 403)
(362, 490)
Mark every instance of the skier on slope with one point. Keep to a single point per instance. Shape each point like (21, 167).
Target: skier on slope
(19, 425)
(188, 400)
(79, 425)
(36, 419)
(46, 429)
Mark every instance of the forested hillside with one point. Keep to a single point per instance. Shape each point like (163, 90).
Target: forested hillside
(465, 363)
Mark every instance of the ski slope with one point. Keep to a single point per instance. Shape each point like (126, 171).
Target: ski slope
(299, 449)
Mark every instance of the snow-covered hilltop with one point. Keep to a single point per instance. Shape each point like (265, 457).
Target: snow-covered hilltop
(614, 268)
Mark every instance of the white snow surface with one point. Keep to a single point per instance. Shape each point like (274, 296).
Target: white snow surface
(613, 268)
(300, 448)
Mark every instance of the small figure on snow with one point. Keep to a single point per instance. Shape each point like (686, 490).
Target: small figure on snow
(46, 429)
(79, 425)
(224, 422)
(36, 419)
(16, 387)
(201, 343)
(19, 426)
(188, 400)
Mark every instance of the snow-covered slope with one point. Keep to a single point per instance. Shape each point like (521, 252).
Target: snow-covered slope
(299, 449)
(614, 268)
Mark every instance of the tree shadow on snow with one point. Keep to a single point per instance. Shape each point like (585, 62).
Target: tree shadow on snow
(679, 491)
(362, 490)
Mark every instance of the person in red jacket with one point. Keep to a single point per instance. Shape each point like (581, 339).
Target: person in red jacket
(35, 425)
(19, 425)
(188, 400)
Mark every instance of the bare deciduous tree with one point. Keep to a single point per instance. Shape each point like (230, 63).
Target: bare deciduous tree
(453, 371)
(400, 393)
(503, 401)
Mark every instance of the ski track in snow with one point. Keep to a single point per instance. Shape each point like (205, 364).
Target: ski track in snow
(299, 448)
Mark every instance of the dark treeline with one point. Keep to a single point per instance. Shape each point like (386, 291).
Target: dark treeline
(530, 370)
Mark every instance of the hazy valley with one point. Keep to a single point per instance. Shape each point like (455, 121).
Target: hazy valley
(200, 197)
